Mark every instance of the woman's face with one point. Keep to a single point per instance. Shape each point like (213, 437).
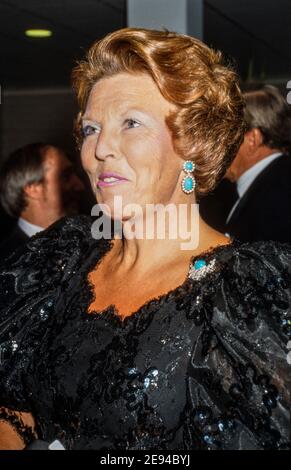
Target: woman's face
(125, 133)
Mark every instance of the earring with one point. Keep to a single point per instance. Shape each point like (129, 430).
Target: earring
(188, 183)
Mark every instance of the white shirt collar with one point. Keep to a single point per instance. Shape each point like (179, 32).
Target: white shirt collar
(28, 228)
(245, 180)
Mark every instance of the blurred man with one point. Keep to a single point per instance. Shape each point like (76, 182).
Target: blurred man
(262, 171)
(215, 206)
(38, 185)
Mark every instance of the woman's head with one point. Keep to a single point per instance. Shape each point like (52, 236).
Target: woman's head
(200, 103)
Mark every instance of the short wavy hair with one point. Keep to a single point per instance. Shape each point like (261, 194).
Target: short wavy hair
(267, 110)
(208, 126)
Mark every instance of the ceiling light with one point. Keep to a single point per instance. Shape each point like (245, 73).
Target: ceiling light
(38, 33)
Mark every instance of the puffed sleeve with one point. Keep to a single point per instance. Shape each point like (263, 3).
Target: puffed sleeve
(30, 280)
(239, 375)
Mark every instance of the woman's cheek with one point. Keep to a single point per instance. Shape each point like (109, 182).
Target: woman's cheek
(139, 146)
(87, 155)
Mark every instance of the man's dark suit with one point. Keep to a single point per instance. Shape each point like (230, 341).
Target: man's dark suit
(215, 207)
(264, 211)
(15, 239)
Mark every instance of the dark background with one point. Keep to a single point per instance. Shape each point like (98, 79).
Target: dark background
(36, 99)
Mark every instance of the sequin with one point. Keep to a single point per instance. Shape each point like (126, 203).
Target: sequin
(208, 439)
(3, 350)
(46, 309)
(132, 372)
(151, 378)
(14, 345)
(221, 426)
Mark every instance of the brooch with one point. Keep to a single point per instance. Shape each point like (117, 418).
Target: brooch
(200, 268)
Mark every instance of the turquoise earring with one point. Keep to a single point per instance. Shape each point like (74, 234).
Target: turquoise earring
(188, 183)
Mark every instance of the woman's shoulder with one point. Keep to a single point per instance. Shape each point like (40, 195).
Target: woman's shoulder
(260, 262)
(246, 296)
(259, 269)
(269, 253)
(242, 265)
(255, 280)
(245, 313)
(65, 232)
(238, 254)
(61, 238)
(45, 259)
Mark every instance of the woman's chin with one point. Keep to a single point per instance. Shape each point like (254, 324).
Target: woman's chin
(121, 208)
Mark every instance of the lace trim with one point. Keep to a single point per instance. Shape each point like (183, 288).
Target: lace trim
(24, 431)
(111, 312)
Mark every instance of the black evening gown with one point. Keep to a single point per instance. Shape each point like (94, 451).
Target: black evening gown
(204, 366)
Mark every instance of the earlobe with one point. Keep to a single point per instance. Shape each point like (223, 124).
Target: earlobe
(33, 190)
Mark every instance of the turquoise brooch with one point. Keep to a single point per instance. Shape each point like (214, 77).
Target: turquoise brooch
(199, 268)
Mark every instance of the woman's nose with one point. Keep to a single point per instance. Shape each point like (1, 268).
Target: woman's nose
(106, 145)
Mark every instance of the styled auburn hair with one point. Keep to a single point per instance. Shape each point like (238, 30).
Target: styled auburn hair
(208, 125)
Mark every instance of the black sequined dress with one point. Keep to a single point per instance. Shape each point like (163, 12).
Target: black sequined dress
(203, 367)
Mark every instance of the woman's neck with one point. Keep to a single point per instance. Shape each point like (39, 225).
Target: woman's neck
(143, 254)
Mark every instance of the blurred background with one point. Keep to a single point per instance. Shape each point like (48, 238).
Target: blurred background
(37, 103)
(36, 98)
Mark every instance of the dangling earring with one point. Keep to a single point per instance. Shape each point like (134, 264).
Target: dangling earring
(188, 183)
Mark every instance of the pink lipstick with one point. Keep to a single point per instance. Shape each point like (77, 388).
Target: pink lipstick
(110, 179)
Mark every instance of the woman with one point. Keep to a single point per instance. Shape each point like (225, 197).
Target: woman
(136, 342)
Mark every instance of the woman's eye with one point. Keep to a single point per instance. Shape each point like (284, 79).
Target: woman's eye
(131, 123)
(89, 130)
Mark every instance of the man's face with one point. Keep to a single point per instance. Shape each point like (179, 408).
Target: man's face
(62, 186)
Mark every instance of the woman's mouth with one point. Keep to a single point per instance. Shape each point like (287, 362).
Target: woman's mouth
(110, 179)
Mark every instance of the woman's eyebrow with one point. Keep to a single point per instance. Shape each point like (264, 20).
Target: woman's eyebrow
(123, 112)
(87, 119)
(136, 110)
